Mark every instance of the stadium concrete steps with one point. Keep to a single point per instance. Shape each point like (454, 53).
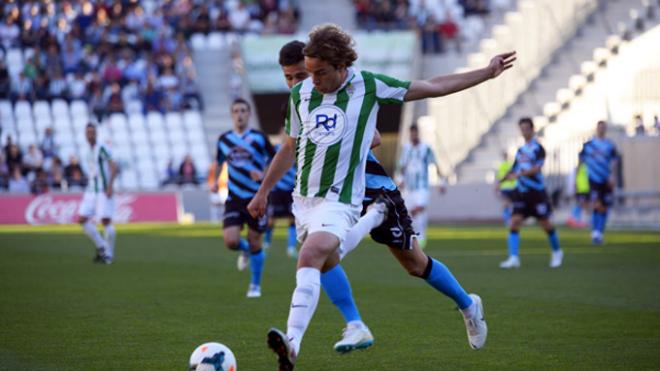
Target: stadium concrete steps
(481, 163)
(214, 71)
(341, 12)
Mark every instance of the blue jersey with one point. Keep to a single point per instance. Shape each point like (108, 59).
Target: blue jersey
(598, 155)
(528, 156)
(244, 153)
(288, 181)
(376, 178)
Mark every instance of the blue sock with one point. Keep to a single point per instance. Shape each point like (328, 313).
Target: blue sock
(243, 245)
(292, 236)
(506, 215)
(256, 266)
(438, 276)
(336, 285)
(268, 236)
(514, 243)
(603, 222)
(577, 212)
(595, 221)
(554, 240)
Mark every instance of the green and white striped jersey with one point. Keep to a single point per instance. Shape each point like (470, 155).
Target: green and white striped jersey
(97, 160)
(334, 132)
(414, 164)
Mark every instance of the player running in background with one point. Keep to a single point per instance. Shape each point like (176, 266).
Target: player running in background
(331, 125)
(579, 182)
(601, 157)
(530, 198)
(505, 188)
(416, 157)
(279, 206)
(98, 199)
(247, 153)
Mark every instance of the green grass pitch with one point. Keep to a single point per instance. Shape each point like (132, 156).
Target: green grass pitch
(172, 288)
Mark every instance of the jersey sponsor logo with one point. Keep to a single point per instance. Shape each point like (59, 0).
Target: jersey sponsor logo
(239, 157)
(326, 125)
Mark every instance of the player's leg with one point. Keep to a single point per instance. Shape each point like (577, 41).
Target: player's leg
(232, 225)
(268, 235)
(374, 216)
(257, 258)
(106, 210)
(513, 241)
(292, 242)
(438, 276)
(86, 212)
(557, 255)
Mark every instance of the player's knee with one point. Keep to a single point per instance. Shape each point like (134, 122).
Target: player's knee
(232, 243)
(82, 220)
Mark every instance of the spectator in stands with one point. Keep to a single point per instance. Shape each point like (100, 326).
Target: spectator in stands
(78, 86)
(239, 18)
(14, 157)
(23, 89)
(188, 172)
(171, 174)
(77, 181)
(17, 182)
(5, 80)
(111, 71)
(191, 93)
(9, 32)
(152, 99)
(40, 185)
(113, 99)
(56, 175)
(640, 130)
(47, 146)
(4, 172)
(72, 168)
(71, 57)
(41, 88)
(58, 88)
(97, 104)
(33, 159)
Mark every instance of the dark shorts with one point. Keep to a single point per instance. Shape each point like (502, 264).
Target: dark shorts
(279, 204)
(582, 197)
(507, 194)
(601, 192)
(396, 231)
(532, 204)
(236, 214)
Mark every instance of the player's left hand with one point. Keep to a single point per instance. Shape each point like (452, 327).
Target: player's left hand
(256, 175)
(501, 63)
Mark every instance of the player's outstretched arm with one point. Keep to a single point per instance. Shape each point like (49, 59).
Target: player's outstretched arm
(280, 164)
(444, 85)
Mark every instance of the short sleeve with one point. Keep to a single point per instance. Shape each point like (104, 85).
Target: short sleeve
(390, 90)
(292, 121)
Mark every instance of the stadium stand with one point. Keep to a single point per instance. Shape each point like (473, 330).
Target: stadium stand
(125, 65)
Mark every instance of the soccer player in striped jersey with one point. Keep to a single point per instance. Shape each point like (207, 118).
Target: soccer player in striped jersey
(530, 198)
(98, 199)
(331, 123)
(247, 153)
(416, 157)
(601, 157)
(279, 206)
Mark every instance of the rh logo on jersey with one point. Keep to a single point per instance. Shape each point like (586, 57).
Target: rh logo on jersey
(326, 125)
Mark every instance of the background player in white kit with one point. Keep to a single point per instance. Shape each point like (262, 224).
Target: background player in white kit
(414, 168)
(98, 200)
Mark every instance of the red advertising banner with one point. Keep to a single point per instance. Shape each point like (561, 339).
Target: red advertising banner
(55, 208)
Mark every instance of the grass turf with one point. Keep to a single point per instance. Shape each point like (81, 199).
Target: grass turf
(172, 288)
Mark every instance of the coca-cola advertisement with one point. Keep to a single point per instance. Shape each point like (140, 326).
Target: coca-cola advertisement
(54, 208)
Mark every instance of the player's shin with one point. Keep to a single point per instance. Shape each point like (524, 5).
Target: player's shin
(335, 283)
(109, 233)
(513, 242)
(256, 266)
(90, 230)
(303, 304)
(370, 220)
(440, 278)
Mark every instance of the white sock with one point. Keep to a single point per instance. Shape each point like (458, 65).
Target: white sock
(94, 235)
(109, 235)
(303, 304)
(370, 220)
(420, 221)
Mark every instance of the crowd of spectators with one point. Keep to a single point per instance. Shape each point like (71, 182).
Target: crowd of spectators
(438, 22)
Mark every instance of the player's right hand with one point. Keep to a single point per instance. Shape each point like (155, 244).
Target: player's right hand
(257, 207)
(214, 188)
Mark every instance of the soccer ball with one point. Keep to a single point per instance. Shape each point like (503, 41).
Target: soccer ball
(212, 357)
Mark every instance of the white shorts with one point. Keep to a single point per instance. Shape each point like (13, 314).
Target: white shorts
(416, 198)
(320, 215)
(96, 205)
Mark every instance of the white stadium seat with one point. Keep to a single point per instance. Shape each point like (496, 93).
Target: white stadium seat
(41, 109)
(6, 112)
(79, 108)
(22, 109)
(161, 151)
(140, 138)
(136, 121)
(154, 120)
(158, 137)
(192, 120)
(173, 121)
(134, 107)
(198, 41)
(60, 108)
